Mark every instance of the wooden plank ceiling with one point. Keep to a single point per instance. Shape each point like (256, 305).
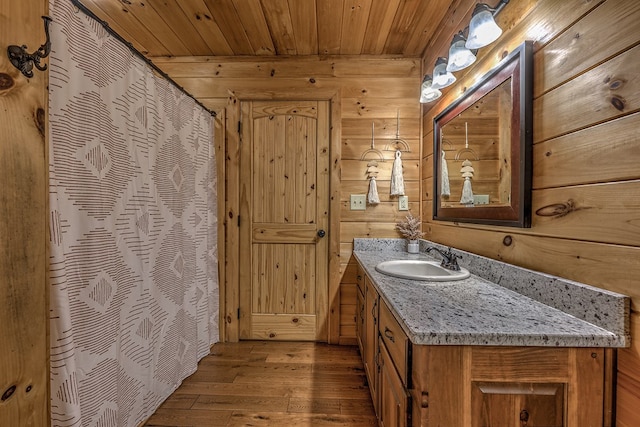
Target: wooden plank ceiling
(274, 27)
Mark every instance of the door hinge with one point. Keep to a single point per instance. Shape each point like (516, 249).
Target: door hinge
(239, 126)
(238, 220)
(238, 312)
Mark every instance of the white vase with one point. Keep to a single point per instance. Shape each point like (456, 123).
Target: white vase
(413, 247)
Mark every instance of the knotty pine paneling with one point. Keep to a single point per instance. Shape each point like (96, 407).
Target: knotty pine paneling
(582, 157)
(585, 225)
(382, 91)
(276, 87)
(269, 28)
(565, 55)
(601, 94)
(24, 296)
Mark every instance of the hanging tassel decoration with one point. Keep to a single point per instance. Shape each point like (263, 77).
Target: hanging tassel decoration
(467, 193)
(373, 197)
(445, 190)
(397, 180)
(372, 173)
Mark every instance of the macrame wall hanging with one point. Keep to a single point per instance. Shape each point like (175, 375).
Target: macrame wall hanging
(398, 145)
(445, 190)
(372, 156)
(445, 187)
(466, 170)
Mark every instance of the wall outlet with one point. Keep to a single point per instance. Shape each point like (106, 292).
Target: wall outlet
(403, 203)
(358, 202)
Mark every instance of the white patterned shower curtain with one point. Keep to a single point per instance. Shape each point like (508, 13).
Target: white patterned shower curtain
(133, 260)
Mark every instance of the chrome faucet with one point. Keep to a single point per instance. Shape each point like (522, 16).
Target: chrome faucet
(449, 259)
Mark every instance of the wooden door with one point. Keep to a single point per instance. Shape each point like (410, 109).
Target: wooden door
(24, 312)
(284, 213)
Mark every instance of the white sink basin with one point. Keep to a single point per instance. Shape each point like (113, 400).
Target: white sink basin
(420, 270)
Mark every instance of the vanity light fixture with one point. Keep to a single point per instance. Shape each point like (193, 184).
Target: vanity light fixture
(483, 29)
(441, 77)
(460, 57)
(427, 92)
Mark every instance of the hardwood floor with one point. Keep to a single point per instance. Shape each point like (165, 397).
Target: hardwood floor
(256, 383)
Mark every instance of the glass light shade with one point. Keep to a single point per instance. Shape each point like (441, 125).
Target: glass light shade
(428, 93)
(441, 77)
(459, 56)
(483, 30)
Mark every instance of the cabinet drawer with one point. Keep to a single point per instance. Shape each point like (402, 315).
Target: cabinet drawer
(396, 341)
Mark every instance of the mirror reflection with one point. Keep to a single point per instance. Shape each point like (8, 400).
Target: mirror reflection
(476, 154)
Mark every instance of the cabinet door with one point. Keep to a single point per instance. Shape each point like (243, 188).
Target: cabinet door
(394, 399)
(360, 319)
(517, 404)
(371, 339)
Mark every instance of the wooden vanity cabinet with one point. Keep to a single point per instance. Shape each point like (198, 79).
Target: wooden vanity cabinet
(479, 386)
(475, 385)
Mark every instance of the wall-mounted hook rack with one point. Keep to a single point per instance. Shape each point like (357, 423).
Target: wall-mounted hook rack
(24, 61)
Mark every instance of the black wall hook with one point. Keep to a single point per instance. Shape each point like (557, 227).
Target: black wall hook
(24, 61)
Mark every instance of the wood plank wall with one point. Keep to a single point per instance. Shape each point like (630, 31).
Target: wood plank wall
(24, 299)
(586, 156)
(370, 90)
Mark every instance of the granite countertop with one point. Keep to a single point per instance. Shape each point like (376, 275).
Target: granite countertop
(476, 311)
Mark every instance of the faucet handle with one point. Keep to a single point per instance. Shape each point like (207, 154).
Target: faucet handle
(450, 260)
(452, 255)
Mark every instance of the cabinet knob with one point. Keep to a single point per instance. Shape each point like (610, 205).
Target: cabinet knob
(321, 233)
(524, 418)
(424, 403)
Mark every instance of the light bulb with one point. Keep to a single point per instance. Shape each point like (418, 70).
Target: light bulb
(427, 92)
(441, 77)
(459, 56)
(483, 30)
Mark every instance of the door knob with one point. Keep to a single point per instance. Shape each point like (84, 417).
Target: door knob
(321, 233)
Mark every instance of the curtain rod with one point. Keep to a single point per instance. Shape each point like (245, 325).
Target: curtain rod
(106, 26)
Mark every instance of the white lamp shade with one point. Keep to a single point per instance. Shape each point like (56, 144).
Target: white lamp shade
(428, 93)
(459, 56)
(483, 30)
(441, 77)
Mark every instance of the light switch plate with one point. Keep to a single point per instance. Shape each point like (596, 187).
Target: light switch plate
(480, 199)
(358, 202)
(403, 203)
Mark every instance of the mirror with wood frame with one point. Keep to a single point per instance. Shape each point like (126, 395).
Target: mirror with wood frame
(483, 148)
